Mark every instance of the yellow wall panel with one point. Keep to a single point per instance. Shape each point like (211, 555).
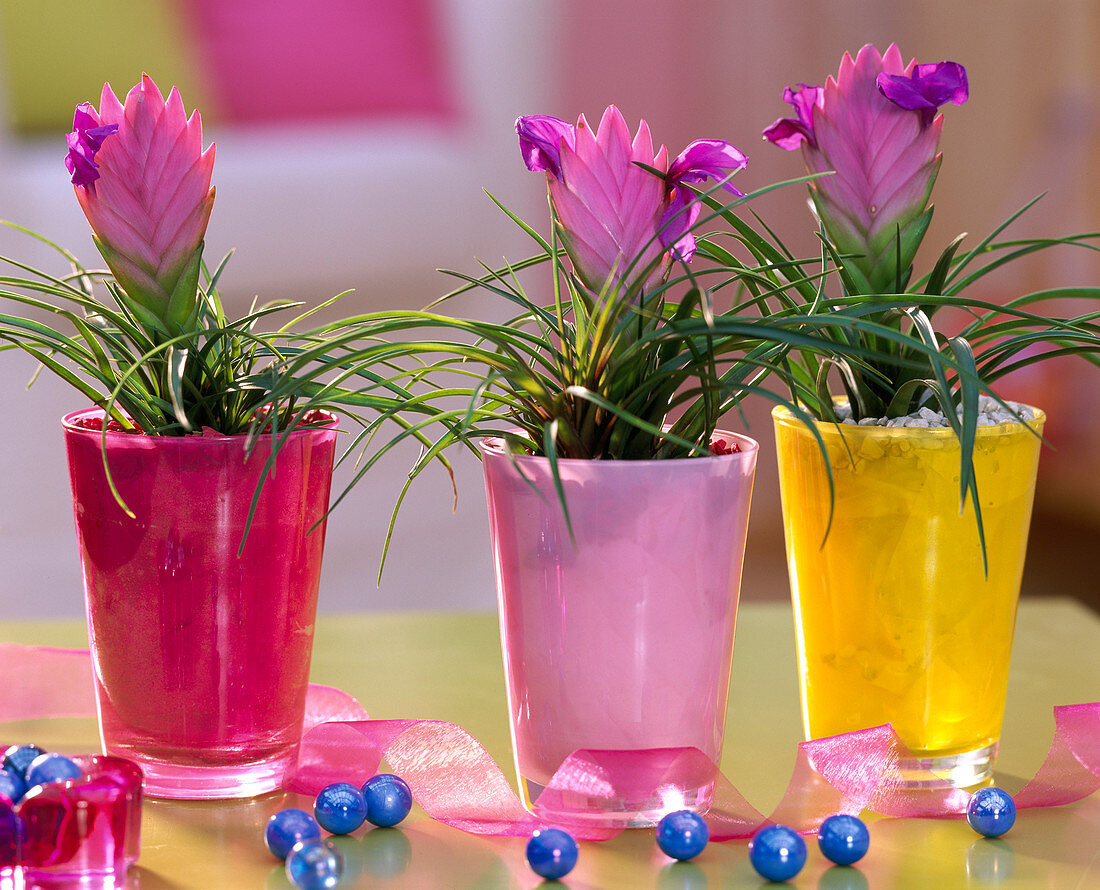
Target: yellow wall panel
(58, 53)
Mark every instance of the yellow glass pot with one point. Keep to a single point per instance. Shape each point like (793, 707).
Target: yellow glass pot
(897, 620)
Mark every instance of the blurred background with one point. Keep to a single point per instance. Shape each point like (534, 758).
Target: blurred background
(355, 139)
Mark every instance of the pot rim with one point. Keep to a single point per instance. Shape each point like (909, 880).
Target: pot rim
(782, 416)
(68, 424)
(494, 446)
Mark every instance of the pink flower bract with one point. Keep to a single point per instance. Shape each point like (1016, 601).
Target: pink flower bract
(620, 223)
(875, 129)
(150, 205)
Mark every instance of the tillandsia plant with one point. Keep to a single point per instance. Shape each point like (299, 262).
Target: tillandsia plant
(875, 131)
(607, 369)
(158, 352)
(870, 140)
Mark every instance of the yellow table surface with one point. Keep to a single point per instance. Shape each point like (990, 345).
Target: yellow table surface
(448, 666)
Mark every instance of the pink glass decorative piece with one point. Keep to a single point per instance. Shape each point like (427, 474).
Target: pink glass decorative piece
(9, 841)
(201, 653)
(617, 648)
(77, 831)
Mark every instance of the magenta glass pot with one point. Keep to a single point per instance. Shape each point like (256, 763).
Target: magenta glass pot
(201, 648)
(618, 647)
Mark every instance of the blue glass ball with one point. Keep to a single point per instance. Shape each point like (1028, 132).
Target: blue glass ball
(18, 757)
(314, 865)
(340, 808)
(12, 785)
(551, 853)
(682, 835)
(388, 799)
(777, 852)
(991, 812)
(843, 839)
(51, 768)
(286, 828)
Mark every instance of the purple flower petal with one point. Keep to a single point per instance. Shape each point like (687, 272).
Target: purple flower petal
(540, 139)
(85, 117)
(704, 158)
(788, 132)
(78, 163)
(84, 141)
(676, 222)
(927, 88)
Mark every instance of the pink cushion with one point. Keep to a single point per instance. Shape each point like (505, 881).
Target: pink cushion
(275, 60)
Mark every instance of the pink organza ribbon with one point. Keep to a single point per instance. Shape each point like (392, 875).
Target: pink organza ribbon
(456, 781)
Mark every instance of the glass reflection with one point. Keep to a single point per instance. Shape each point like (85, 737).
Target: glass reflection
(681, 876)
(842, 877)
(990, 860)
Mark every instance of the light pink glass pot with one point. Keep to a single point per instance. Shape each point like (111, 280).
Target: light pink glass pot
(617, 648)
(201, 654)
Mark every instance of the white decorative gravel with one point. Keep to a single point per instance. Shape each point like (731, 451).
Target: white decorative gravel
(990, 413)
